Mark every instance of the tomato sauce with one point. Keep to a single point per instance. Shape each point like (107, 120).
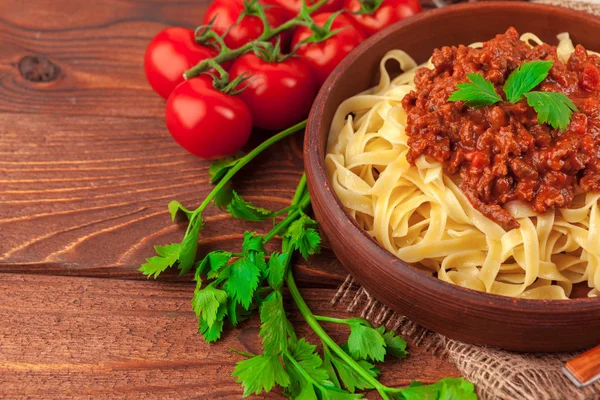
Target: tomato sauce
(500, 152)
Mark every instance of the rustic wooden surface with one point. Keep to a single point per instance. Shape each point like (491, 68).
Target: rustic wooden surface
(86, 170)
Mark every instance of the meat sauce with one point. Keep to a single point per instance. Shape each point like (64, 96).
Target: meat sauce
(501, 152)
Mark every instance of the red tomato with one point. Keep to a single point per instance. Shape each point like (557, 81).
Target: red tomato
(172, 52)
(226, 14)
(389, 12)
(207, 123)
(323, 57)
(278, 94)
(293, 6)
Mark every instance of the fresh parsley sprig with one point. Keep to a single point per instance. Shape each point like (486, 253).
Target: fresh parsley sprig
(552, 108)
(231, 286)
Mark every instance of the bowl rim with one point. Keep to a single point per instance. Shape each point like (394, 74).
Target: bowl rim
(316, 172)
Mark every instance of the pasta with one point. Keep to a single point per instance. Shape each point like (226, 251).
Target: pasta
(421, 215)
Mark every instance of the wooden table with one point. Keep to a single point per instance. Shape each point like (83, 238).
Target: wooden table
(87, 168)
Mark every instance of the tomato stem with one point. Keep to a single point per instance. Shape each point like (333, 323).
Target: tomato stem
(268, 33)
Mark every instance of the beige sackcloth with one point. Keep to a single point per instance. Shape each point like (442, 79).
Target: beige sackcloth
(497, 374)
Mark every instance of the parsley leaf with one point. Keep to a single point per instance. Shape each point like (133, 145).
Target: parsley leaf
(213, 333)
(446, 389)
(223, 198)
(175, 207)
(213, 263)
(479, 93)
(260, 373)
(166, 257)
(219, 168)
(365, 342)
(242, 280)
(206, 302)
(189, 245)
(275, 325)
(304, 237)
(350, 377)
(525, 78)
(304, 366)
(394, 345)
(552, 107)
(242, 209)
(277, 267)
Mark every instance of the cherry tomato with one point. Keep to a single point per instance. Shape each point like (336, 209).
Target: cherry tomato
(226, 14)
(170, 53)
(386, 14)
(324, 56)
(293, 6)
(207, 123)
(278, 94)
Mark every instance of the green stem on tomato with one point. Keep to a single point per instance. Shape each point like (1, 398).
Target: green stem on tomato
(310, 319)
(267, 34)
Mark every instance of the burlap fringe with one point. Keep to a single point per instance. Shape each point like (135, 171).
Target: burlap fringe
(589, 6)
(497, 374)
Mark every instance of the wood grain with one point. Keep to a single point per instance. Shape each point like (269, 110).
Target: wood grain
(86, 171)
(110, 338)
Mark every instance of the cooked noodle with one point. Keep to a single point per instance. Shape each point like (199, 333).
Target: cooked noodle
(419, 214)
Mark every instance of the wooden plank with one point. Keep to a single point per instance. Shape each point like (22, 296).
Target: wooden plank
(62, 337)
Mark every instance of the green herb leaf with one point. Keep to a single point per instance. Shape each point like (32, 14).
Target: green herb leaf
(304, 237)
(365, 342)
(261, 373)
(275, 325)
(206, 302)
(219, 168)
(166, 257)
(394, 345)
(479, 93)
(552, 108)
(242, 280)
(213, 263)
(175, 207)
(350, 377)
(277, 267)
(213, 333)
(306, 363)
(242, 209)
(525, 78)
(223, 198)
(446, 389)
(189, 245)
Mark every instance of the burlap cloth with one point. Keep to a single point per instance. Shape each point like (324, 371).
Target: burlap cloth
(497, 374)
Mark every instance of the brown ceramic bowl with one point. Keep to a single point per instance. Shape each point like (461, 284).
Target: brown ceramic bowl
(463, 314)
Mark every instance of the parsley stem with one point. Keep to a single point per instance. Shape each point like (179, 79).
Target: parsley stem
(343, 321)
(291, 217)
(310, 319)
(245, 160)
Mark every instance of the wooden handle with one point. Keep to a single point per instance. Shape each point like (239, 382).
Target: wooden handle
(586, 367)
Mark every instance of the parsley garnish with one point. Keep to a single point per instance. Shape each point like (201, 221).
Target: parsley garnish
(552, 108)
(525, 78)
(231, 286)
(479, 93)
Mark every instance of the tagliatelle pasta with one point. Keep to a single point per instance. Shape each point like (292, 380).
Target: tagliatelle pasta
(420, 214)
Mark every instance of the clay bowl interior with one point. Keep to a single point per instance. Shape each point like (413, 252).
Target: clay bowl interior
(462, 314)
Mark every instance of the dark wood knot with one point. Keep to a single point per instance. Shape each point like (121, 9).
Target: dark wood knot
(38, 69)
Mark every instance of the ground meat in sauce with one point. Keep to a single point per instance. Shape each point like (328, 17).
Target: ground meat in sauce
(500, 152)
